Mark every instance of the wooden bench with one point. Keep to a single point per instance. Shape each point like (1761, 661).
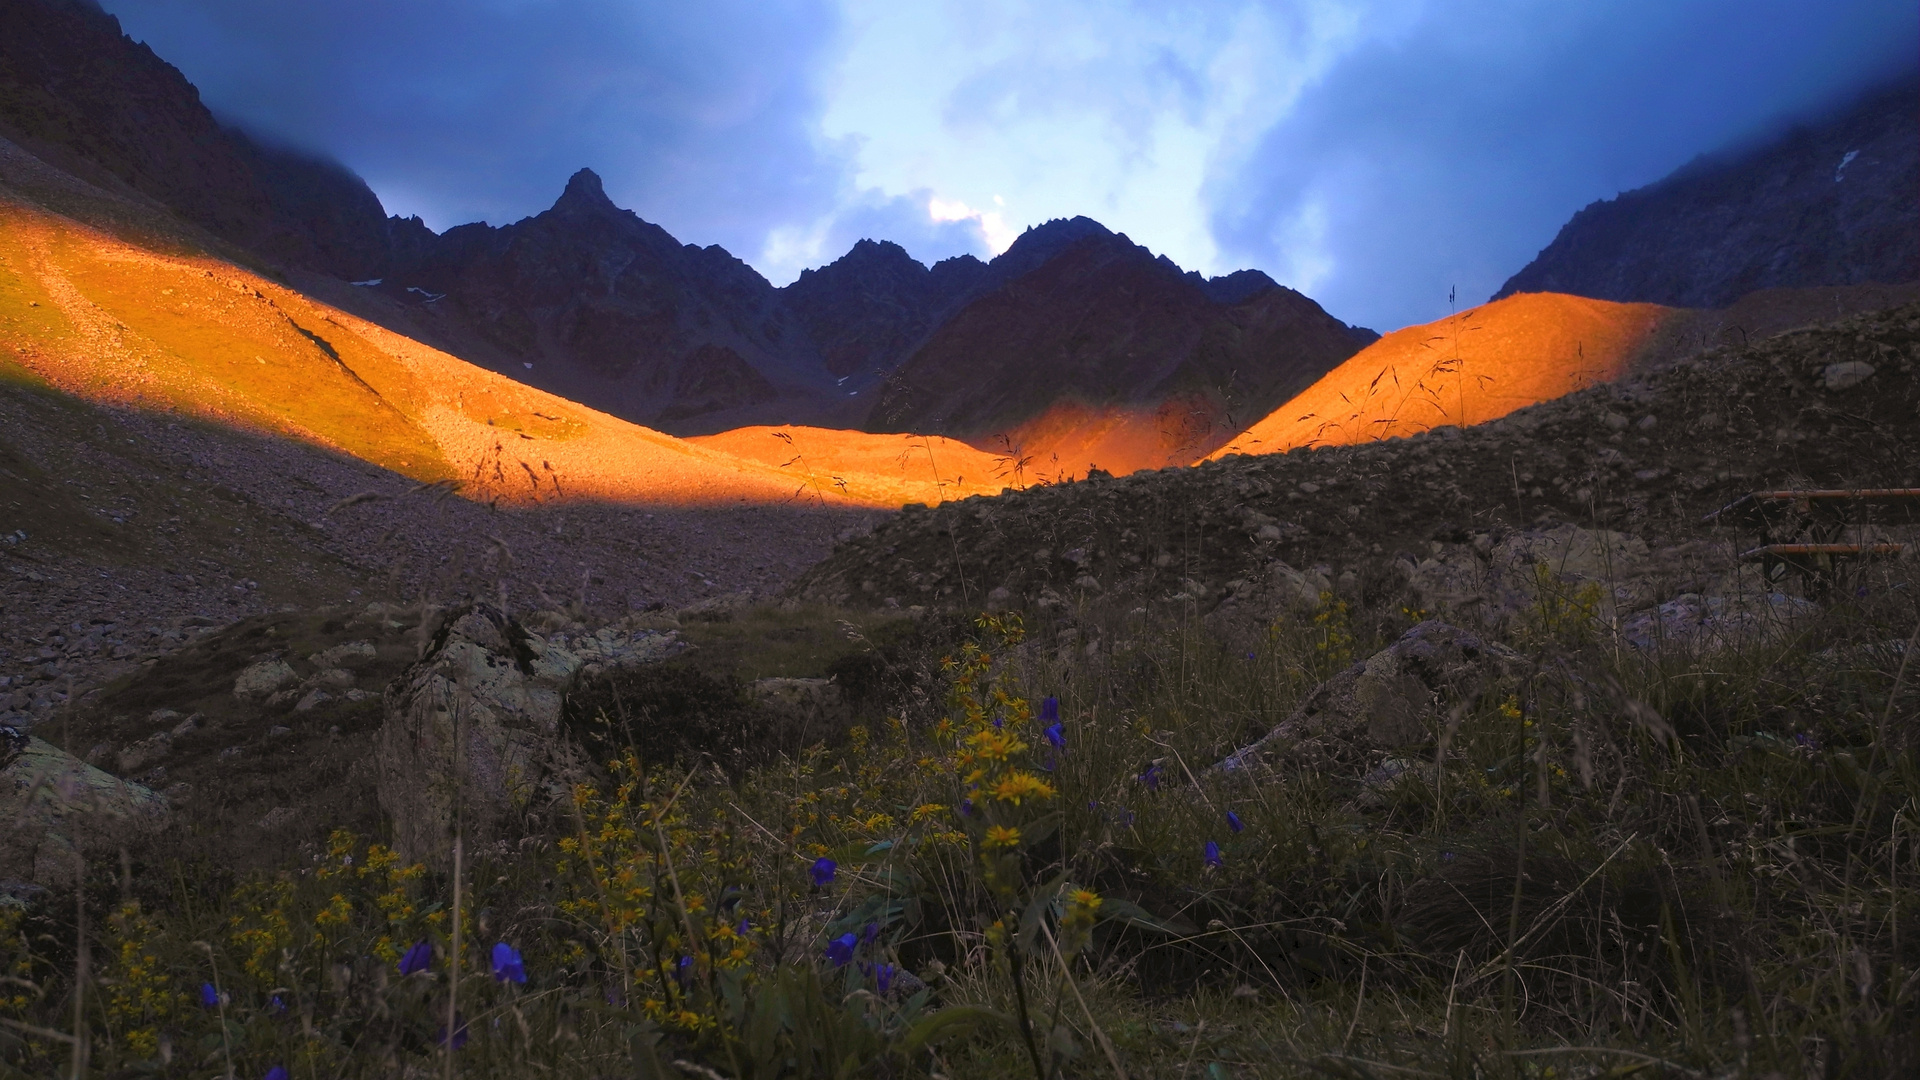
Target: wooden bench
(1802, 530)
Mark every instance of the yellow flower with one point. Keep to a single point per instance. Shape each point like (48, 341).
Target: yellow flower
(1016, 786)
(1001, 836)
(1084, 899)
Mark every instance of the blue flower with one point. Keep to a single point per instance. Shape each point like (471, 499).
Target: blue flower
(1151, 777)
(1234, 822)
(966, 807)
(1057, 737)
(1050, 709)
(840, 949)
(276, 1004)
(459, 1033)
(1213, 854)
(209, 996)
(872, 931)
(683, 972)
(278, 1072)
(883, 977)
(742, 928)
(418, 958)
(823, 871)
(507, 966)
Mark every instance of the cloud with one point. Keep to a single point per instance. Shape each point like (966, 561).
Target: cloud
(697, 113)
(1374, 153)
(1119, 111)
(1448, 149)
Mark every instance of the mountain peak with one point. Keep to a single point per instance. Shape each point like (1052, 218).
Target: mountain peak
(584, 192)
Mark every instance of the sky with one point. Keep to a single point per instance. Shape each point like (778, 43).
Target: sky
(1377, 155)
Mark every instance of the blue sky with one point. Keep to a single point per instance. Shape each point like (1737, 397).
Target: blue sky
(1372, 153)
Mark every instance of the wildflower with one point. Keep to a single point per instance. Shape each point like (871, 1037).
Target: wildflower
(1234, 822)
(209, 996)
(883, 977)
(683, 972)
(507, 966)
(1057, 737)
(823, 871)
(1017, 785)
(1050, 709)
(1151, 777)
(966, 807)
(1083, 900)
(1213, 854)
(459, 1033)
(743, 928)
(276, 1004)
(1001, 836)
(418, 958)
(278, 1072)
(840, 949)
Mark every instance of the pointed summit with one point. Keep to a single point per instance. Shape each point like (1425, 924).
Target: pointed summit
(584, 192)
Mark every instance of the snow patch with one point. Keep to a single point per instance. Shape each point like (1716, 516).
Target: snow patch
(1851, 154)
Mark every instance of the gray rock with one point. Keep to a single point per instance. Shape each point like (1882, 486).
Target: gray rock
(350, 654)
(475, 723)
(58, 807)
(1847, 374)
(263, 680)
(1397, 698)
(1696, 625)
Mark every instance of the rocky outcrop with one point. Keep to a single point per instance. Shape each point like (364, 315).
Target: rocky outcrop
(1828, 203)
(75, 90)
(1400, 698)
(1100, 322)
(59, 810)
(472, 735)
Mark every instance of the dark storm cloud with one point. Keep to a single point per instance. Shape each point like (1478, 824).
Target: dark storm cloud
(1450, 152)
(697, 114)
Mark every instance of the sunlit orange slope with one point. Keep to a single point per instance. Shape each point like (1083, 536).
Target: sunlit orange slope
(905, 467)
(1071, 437)
(1473, 367)
(110, 320)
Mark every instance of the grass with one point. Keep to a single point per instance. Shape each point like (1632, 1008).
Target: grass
(1673, 865)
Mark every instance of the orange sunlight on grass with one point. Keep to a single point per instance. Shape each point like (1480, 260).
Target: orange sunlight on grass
(113, 322)
(1469, 368)
(824, 460)
(1071, 437)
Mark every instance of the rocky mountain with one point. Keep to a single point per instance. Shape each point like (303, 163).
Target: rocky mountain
(589, 301)
(80, 94)
(1835, 202)
(1094, 324)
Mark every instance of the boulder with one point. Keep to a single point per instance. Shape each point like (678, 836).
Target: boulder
(350, 654)
(56, 807)
(1398, 698)
(1500, 584)
(474, 725)
(802, 705)
(1696, 625)
(263, 680)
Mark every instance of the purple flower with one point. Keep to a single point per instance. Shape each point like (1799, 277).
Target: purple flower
(1050, 709)
(459, 1033)
(823, 871)
(418, 958)
(683, 972)
(966, 807)
(1151, 777)
(840, 949)
(276, 1004)
(742, 928)
(1213, 854)
(1057, 737)
(507, 966)
(278, 1072)
(209, 996)
(872, 931)
(1249, 657)
(1447, 856)
(1234, 822)
(883, 977)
